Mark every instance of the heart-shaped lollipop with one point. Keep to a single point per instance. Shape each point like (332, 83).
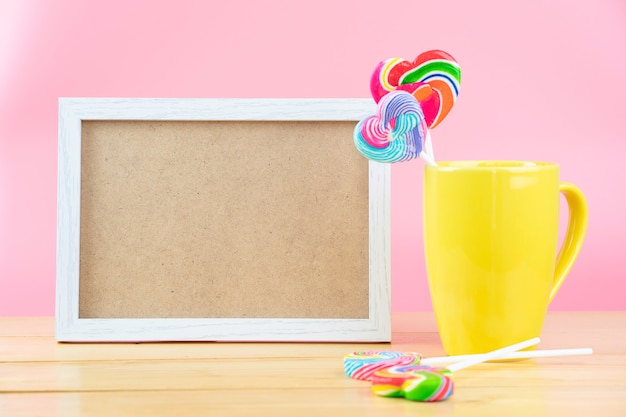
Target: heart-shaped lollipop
(396, 133)
(434, 78)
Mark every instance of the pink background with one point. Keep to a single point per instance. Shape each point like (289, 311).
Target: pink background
(542, 80)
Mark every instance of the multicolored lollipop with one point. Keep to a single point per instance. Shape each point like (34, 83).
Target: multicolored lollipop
(396, 133)
(434, 78)
(363, 365)
(417, 383)
(423, 383)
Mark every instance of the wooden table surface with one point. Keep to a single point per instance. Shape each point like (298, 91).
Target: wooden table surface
(39, 377)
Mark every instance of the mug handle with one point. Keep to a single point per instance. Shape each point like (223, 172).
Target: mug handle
(576, 229)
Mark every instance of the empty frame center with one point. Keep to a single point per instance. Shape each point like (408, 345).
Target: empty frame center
(222, 219)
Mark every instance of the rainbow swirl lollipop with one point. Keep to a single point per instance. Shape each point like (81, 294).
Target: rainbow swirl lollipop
(423, 383)
(434, 78)
(362, 365)
(396, 133)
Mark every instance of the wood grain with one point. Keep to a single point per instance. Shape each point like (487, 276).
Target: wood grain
(39, 377)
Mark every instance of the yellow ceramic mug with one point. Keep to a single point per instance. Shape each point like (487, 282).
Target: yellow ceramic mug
(491, 238)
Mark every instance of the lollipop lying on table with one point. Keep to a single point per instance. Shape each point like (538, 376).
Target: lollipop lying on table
(363, 365)
(423, 383)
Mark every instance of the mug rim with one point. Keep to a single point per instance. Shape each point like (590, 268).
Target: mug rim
(492, 165)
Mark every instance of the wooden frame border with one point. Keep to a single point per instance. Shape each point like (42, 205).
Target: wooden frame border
(70, 327)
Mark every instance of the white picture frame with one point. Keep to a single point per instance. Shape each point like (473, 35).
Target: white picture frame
(72, 328)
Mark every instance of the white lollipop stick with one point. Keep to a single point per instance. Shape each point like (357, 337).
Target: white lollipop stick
(527, 354)
(429, 145)
(427, 153)
(496, 354)
(427, 159)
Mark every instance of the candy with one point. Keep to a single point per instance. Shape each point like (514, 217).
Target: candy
(434, 78)
(421, 383)
(354, 361)
(362, 365)
(396, 133)
(365, 364)
(416, 383)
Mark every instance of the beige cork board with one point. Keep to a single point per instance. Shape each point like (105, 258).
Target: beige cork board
(219, 220)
